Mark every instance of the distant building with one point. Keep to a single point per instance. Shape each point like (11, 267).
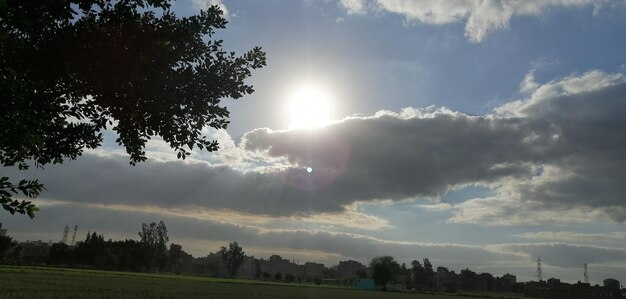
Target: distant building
(611, 283)
(349, 269)
(249, 268)
(555, 289)
(208, 265)
(366, 284)
(508, 284)
(446, 280)
(277, 264)
(313, 270)
(509, 278)
(3, 231)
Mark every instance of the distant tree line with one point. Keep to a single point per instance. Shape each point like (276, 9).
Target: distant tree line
(149, 254)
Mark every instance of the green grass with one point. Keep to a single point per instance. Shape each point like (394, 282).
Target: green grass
(39, 282)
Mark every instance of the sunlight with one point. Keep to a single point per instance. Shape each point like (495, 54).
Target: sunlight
(308, 106)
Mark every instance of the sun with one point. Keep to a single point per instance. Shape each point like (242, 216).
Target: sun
(308, 106)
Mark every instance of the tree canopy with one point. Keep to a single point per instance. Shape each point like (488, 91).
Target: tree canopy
(232, 257)
(384, 269)
(70, 69)
(154, 242)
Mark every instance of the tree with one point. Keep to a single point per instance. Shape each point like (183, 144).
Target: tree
(87, 251)
(384, 269)
(60, 254)
(258, 271)
(429, 273)
(70, 69)
(174, 258)
(289, 277)
(10, 250)
(232, 257)
(154, 242)
(418, 274)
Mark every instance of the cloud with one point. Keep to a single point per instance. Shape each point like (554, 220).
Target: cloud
(513, 211)
(615, 238)
(563, 254)
(481, 17)
(354, 6)
(388, 156)
(555, 156)
(205, 4)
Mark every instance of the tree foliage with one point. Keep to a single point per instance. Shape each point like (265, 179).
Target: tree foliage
(30, 189)
(10, 250)
(384, 269)
(154, 242)
(232, 257)
(423, 276)
(70, 69)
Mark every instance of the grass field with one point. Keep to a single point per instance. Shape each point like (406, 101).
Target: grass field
(38, 282)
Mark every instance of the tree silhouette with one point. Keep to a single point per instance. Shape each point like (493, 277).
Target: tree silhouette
(87, 251)
(154, 242)
(232, 257)
(429, 274)
(10, 250)
(384, 269)
(70, 69)
(418, 274)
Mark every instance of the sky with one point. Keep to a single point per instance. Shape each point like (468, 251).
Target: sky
(480, 134)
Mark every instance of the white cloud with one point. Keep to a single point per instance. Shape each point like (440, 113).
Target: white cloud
(563, 254)
(353, 6)
(615, 238)
(481, 17)
(205, 4)
(529, 85)
(507, 211)
(568, 86)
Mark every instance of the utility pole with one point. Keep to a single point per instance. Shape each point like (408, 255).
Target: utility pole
(539, 277)
(74, 235)
(66, 231)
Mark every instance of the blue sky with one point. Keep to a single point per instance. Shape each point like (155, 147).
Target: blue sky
(475, 136)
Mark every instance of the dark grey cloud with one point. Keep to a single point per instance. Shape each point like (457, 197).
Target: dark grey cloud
(384, 157)
(563, 147)
(394, 157)
(174, 184)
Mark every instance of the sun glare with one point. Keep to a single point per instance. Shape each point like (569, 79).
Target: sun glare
(308, 106)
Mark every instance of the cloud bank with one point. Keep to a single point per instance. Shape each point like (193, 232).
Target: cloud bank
(481, 17)
(560, 149)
